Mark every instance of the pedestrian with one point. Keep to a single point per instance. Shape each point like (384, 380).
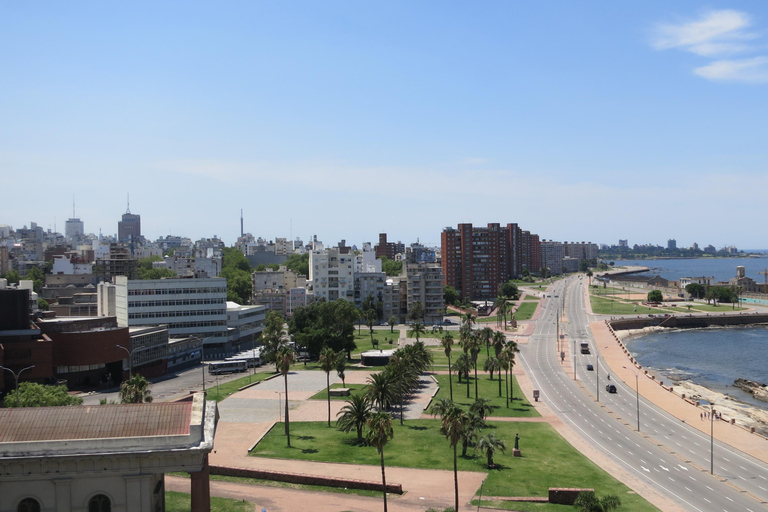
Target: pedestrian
(701, 416)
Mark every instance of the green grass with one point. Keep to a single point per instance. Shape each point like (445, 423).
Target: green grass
(518, 408)
(721, 308)
(547, 461)
(526, 310)
(225, 389)
(531, 297)
(182, 502)
(354, 388)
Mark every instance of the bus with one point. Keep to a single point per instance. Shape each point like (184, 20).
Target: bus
(252, 360)
(222, 367)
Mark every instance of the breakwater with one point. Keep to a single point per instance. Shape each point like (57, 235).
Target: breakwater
(689, 321)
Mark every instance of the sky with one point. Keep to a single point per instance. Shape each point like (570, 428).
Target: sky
(580, 121)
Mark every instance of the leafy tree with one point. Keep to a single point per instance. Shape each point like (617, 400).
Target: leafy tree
(239, 285)
(589, 275)
(232, 257)
(696, 290)
(136, 390)
(447, 343)
(450, 295)
(272, 336)
(416, 314)
(583, 265)
(31, 394)
(355, 414)
(327, 364)
(323, 324)
(283, 361)
(379, 433)
(299, 263)
(42, 304)
(12, 277)
(587, 501)
(372, 307)
(489, 444)
(392, 321)
(391, 267)
(545, 272)
(509, 290)
(452, 427)
(37, 277)
(655, 296)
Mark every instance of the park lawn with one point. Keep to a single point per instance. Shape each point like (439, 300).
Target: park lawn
(547, 461)
(526, 310)
(181, 502)
(354, 388)
(531, 297)
(519, 407)
(221, 391)
(709, 308)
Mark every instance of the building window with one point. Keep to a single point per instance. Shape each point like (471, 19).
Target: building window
(28, 505)
(99, 503)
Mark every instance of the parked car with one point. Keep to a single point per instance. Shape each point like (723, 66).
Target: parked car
(610, 388)
(590, 368)
(447, 321)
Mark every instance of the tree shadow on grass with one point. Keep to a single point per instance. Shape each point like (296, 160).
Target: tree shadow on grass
(417, 427)
(306, 438)
(352, 441)
(309, 450)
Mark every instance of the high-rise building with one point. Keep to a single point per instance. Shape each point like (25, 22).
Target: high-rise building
(130, 227)
(388, 249)
(671, 244)
(476, 261)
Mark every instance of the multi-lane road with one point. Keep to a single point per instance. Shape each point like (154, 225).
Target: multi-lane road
(667, 454)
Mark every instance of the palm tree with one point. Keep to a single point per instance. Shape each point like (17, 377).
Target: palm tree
(417, 329)
(510, 351)
(379, 433)
(401, 376)
(447, 343)
(380, 391)
(283, 361)
(489, 444)
(499, 340)
(589, 275)
(392, 321)
(467, 319)
(486, 333)
(442, 406)
(587, 501)
(504, 362)
(355, 414)
(504, 309)
(136, 390)
(482, 407)
(327, 363)
(341, 366)
(463, 365)
(492, 365)
(452, 427)
(472, 427)
(370, 321)
(500, 301)
(472, 345)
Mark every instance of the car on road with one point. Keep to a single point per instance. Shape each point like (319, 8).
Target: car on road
(610, 388)
(590, 368)
(447, 321)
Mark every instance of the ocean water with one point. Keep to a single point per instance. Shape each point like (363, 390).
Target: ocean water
(722, 269)
(712, 357)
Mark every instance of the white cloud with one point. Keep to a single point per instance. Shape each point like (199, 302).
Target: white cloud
(714, 33)
(754, 70)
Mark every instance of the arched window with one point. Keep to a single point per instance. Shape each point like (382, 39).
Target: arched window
(99, 503)
(28, 505)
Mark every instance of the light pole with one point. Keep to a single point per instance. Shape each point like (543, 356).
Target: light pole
(712, 435)
(130, 359)
(637, 395)
(16, 378)
(279, 406)
(597, 376)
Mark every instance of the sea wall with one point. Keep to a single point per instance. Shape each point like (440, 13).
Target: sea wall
(689, 322)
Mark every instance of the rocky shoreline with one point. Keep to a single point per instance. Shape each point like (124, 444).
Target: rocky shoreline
(746, 415)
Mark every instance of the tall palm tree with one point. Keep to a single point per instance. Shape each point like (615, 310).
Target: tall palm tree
(497, 304)
(392, 321)
(136, 390)
(418, 329)
(283, 361)
(341, 366)
(510, 351)
(504, 362)
(447, 343)
(463, 365)
(452, 427)
(355, 414)
(467, 319)
(489, 444)
(401, 377)
(492, 365)
(503, 310)
(379, 433)
(472, 345)
(587, 501)
(327, 363)
(486, 334)
(380, 391)
(499, 340)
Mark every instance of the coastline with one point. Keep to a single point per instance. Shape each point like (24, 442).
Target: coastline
(744, 414)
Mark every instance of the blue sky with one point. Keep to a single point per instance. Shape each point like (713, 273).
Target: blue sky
(579, 121)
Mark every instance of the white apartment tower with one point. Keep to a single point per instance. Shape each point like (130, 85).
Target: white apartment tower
(332, 275)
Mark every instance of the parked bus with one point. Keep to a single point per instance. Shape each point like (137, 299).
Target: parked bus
(222, 367)
(252, 360)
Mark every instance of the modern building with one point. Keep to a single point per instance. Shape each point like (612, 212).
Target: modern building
(74, 228)
(388, 249)
(188, 307)
(552, 254)
(331, 275)
(671, 244)
(423, 283)
(244, 325)
(130, 227)
(580, 250)
(104, 457)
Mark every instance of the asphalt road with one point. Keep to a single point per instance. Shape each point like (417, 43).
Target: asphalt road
(667, 454)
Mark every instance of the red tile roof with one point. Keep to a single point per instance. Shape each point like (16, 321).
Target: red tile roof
(94, 422)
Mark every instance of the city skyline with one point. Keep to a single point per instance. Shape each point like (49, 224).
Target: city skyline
(585, 123)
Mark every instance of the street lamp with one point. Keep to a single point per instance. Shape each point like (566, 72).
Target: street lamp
(637, 395)
(279, 406)
(130, 359)
(16, 378)
(712, 435)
